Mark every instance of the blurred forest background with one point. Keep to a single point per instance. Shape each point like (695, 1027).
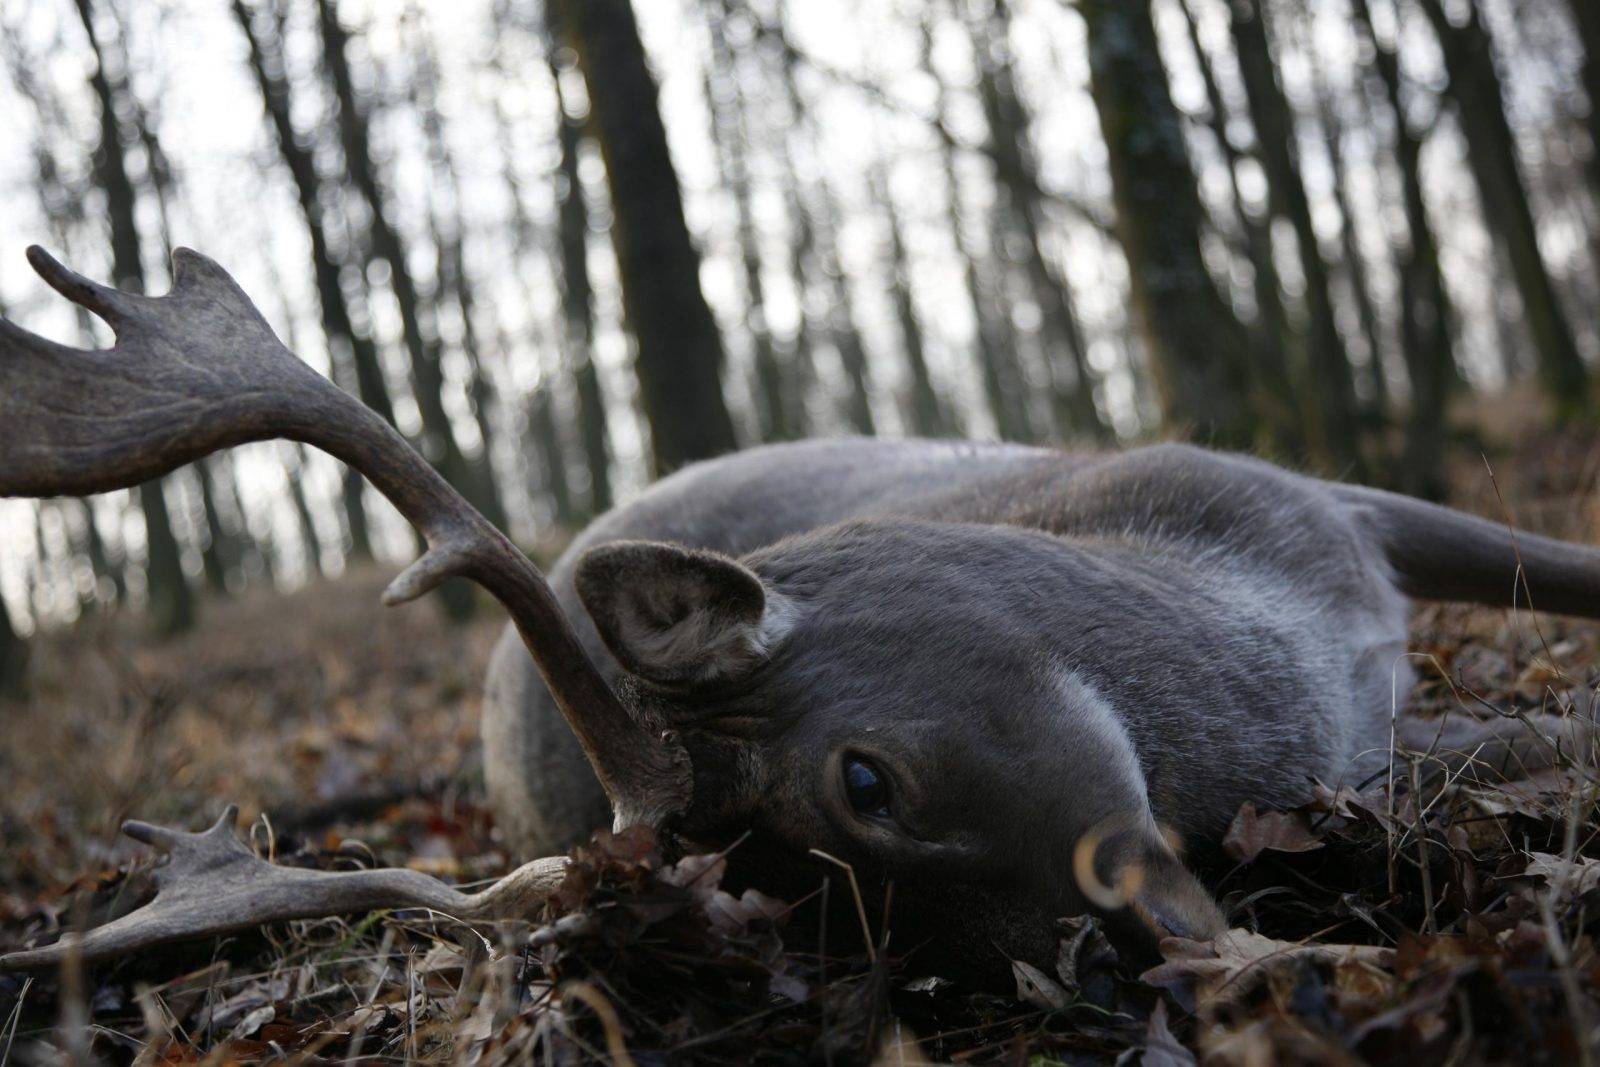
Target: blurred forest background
(567, 246)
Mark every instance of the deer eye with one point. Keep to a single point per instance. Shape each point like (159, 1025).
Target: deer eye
(868, 792)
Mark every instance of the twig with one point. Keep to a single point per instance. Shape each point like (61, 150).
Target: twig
(1422, 848)
(861, 908)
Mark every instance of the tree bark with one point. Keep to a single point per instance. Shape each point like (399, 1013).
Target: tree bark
(1425, 314)
(730, 136)
(1586, 15)
(577, 301)
(679, 351)
(839, 326)
(454, 284)
(1195, 344)
(352, 354)
(925, 410)
(1276, 342)
(1474, 85)
(171, 601)
(438, 441)
(1010, 149)
(13, 658)
(1330, 379)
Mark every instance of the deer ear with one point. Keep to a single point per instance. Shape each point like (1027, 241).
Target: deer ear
(680, 617)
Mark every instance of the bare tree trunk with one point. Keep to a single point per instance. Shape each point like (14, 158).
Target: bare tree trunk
(1277, 343)
(731, 138)
(438, 441)
(171, 601)
(1010, 149)
(1331, 380)
(293, 458)
(1474, 85)
(352, 353)
(820, 239)
(216, 547)
(577, 302)
(994, 351)
(679, 359)
(1586, 14)
(546, 440)
(454, 282)
(1354, 263)
(13, 658)
(106, 571)
(1425, 313)
(1194, 342)
(925, 410)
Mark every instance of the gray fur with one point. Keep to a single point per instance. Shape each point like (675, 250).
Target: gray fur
(1033, 644)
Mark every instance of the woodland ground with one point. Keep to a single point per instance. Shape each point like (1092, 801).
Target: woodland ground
(1458, 929)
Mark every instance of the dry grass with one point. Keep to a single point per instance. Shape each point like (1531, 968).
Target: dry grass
(1441, 921)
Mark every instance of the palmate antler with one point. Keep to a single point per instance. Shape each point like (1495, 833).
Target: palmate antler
(212, 883)
(200, 370)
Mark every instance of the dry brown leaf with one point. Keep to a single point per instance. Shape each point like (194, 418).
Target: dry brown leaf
(1569, 879)
(1227, 968)
(1253, 833)
(1036, 988)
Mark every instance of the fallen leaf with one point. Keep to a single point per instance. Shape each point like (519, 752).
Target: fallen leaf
(1229, 967)
(1034, 987)
(1568, 879)
(1253, 833)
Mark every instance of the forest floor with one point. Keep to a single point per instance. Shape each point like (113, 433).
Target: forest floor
(1454, 924)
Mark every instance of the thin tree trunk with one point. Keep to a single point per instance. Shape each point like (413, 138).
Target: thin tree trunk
(353, 355)
(293, 459)
(1010, 149)
(1424, 302)
(106, 571)
(546, 439)
(1331, 380)
(926, 414)
(1354, 263)
(1277, 343)
(216, 551)
(1194, 342)
(840, 324)
(1586, 15)
(1474, 85)
(577, 299)
(679, 358)
(13, 658)
(993, 351)
(731, 138)
(171, 601)
(438, 441)
(454, 282)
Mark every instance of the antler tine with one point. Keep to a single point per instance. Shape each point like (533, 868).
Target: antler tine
(200, 370)
(113, 305)
(214, 884)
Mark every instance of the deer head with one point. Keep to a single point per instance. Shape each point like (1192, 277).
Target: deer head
(872, 691)
(717, 728)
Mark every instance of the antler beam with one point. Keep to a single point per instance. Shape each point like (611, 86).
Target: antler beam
(200, 370)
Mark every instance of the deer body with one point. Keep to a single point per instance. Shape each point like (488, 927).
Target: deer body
(1001, 679)
(1240, 621)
